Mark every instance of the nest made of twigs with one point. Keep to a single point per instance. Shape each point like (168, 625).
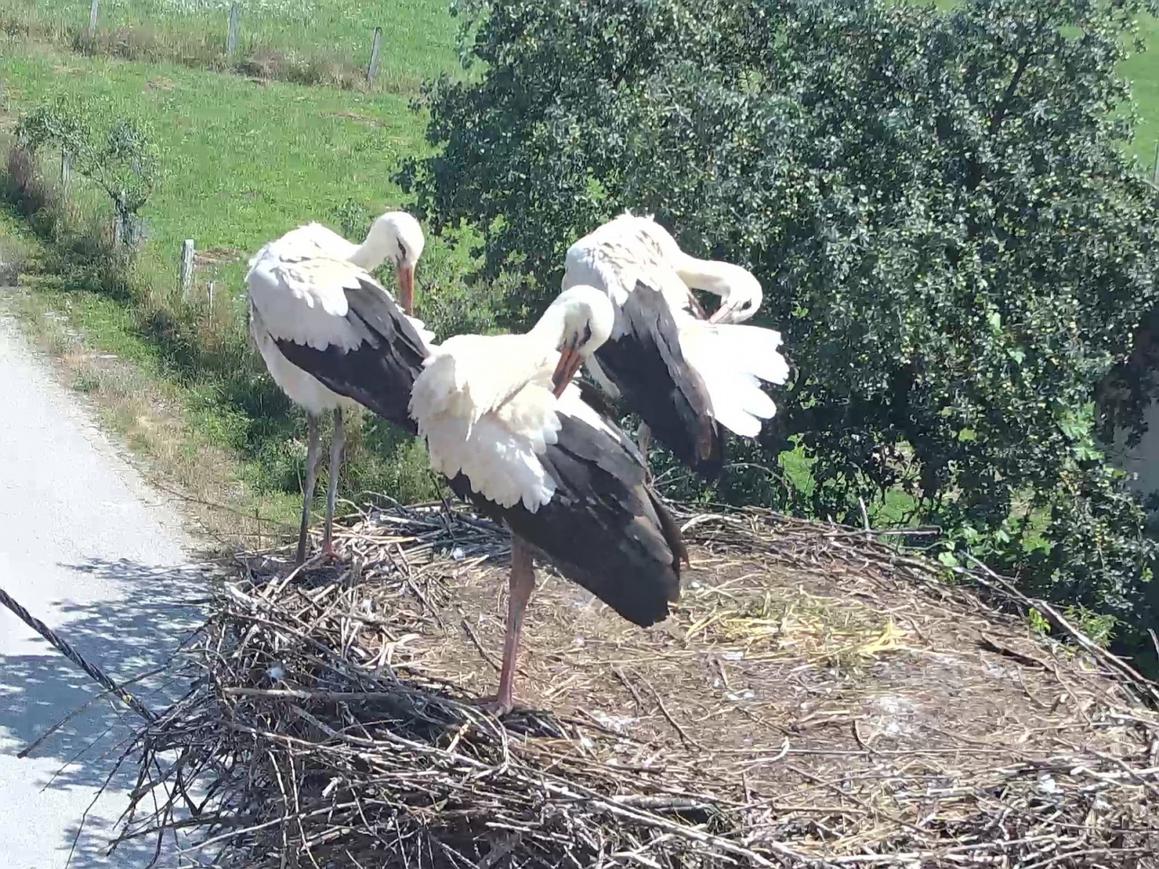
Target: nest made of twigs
(816, 698)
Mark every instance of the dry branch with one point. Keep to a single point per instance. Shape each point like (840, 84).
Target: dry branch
(818, 698)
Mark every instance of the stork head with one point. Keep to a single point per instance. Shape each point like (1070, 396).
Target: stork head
(579, 321)
(396, 237)
(742, 298)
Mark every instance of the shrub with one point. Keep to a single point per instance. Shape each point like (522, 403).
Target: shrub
(115, 153)
(937, 203)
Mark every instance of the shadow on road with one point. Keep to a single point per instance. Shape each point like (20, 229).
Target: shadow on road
(126, 638)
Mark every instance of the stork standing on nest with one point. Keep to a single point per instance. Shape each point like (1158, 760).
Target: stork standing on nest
(314, 308)
(687, 375)
(504, 422)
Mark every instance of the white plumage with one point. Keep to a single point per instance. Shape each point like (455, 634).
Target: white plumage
(298, 288)
(731, 358)
(638, 248)
(504, 423)
(486, 404)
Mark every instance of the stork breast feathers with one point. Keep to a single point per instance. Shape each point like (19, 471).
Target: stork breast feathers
(480, 416)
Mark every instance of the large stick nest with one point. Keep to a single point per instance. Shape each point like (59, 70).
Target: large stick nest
(817, 698)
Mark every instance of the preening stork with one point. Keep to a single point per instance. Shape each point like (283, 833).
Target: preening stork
(504, 422)
(316, 313)
(686, 375)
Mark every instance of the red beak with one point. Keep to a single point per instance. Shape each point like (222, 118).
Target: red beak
(720, 314)
(570, 361)
(697, 308)
(406, 289)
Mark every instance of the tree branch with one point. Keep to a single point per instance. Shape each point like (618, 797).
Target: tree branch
(999, 114)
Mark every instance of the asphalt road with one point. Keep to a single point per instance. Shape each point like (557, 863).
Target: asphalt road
(87, 547)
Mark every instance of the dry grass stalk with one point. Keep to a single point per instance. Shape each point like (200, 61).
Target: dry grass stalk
(818, 698)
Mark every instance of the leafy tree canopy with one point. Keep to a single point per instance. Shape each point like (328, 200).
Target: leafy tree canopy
(939, 206)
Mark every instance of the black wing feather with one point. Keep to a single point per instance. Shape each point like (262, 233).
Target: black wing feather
(381, 371)
(648, 367)
(603, 528)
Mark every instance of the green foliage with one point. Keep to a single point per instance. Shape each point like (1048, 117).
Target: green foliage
(1039, 623)
(114, 152)
(938, 204)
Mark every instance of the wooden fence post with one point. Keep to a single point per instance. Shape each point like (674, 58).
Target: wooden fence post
(65, 169)
(94, 12)
(1155, 168)
(186, 273)
(212, 286)
(375, 56)
(231, 36)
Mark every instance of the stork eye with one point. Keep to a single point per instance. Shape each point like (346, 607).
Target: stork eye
(587, 334)
(402, 249)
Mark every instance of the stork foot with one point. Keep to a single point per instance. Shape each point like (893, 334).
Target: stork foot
(329, 555)
(498, 705)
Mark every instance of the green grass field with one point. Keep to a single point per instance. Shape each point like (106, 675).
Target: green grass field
(1142, 71)
(244, 161)
(299, 39)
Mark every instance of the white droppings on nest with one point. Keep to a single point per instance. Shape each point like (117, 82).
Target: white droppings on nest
(615, 723)
(999, 671)
(946, 660)
(892, 715)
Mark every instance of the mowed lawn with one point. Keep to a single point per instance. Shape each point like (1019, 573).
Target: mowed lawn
(1142, 71)
(243, 160)
(418, 36)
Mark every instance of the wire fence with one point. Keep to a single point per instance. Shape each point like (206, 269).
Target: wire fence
(341, 43)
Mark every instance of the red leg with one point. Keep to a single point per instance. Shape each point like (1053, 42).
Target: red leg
(337, 445)
(312, 455)
(522, 582)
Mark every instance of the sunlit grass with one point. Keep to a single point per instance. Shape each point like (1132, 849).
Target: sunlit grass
(303, 40)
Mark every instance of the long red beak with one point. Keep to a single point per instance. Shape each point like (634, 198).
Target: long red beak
(406, 289)
(570, 361)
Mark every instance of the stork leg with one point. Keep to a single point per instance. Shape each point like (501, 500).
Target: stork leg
(312, 446)
(337, 444)
(522, 582)
(644, 442)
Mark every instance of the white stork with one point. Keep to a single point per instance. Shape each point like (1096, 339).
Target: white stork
(329, 333)
(503, 421)
(686, 375)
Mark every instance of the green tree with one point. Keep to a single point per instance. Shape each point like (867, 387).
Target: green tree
(115, 153)
(938, 204)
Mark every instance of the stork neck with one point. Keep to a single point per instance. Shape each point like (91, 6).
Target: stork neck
(713, 276)
(548, 330)
(371, 253)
